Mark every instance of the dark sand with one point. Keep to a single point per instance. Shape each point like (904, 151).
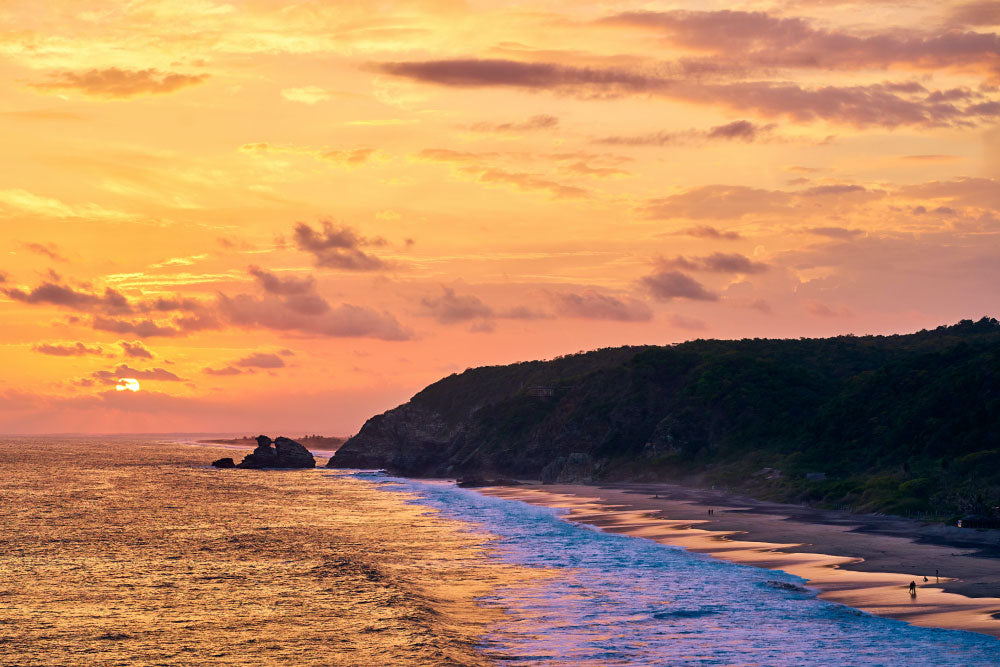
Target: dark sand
(863, 561)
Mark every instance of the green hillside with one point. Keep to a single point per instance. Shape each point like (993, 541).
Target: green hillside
(903, 424)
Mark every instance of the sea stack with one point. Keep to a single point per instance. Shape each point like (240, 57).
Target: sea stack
(285, 453)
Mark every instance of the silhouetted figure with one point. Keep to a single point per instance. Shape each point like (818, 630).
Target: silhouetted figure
(925, 578)
(913, 589)
(937, 577)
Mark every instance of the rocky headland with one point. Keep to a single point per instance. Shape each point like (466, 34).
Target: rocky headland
(281, 453)
(904, 424)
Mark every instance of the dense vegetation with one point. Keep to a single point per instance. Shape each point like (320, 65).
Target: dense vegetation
(903, 424)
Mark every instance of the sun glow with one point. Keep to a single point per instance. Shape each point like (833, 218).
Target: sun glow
(127, 384)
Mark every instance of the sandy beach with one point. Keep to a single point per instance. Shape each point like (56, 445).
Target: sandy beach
(863, 561)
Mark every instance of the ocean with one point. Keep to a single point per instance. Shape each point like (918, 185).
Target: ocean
(133, 551)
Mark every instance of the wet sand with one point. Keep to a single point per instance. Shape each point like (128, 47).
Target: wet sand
(863, 561)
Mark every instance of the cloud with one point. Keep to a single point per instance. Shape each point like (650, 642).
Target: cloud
(708, 232)
(877, 104)
(349, 157)
(135, 349)
(735, 201)
(74, 350)
(287, 314)
(593, 305)
(836, 232)
(285, 286)
(228, 370)
(483, 173)
(118, 83)
(539, 122)
(819, 309)
(306, 94)
(717, 262)
(665, 284)
(111, 301)
(769, 41)
(511, 73)
(124, 371)
(141, 328)
(684, 322)
(450, 307)
(966, 191)
(738, 130)
(337, 247)
(719, 202)
(256, 360)
(260, 360)
(984, 12)
(50, 250)
(525, 181)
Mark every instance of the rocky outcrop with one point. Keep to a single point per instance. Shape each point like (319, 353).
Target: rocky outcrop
(576, 468)
(285, 453)
(224, 463)
(406, 440)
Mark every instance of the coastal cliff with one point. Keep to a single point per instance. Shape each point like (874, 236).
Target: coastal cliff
(907, 423)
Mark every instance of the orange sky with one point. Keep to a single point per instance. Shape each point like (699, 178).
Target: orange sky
(288, 216)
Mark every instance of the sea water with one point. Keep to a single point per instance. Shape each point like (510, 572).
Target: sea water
(619, 600)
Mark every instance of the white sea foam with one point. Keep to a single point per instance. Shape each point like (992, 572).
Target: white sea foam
(628, 601)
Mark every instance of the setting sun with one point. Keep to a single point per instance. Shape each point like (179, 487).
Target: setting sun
(127, 384)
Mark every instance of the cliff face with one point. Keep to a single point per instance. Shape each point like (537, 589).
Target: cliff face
(891, 422)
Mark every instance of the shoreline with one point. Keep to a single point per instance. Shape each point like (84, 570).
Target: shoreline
(860, 561)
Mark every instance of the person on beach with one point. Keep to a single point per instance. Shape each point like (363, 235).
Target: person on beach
(913, 589)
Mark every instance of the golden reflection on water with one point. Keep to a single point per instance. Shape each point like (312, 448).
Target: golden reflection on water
(134, 553)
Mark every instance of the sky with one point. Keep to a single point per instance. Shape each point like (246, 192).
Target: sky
(285, 217)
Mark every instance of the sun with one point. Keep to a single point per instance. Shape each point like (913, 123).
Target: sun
(127, 384)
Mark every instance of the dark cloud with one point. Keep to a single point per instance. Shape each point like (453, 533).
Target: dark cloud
(135, 349)
(256, 360)
(473, 73)
(288, 305)
(594, 305)
(75, 350)
(337, 247)
(880, 104)
(120, 83)
(141, 328)
(50, 250)
(836, 232)
(738, 130)
(260, 360)
(539, 122)
(123, 371)
(717, 262)
(285, 286)
(111, 301)
(824, 190)
(666, 284)
(228, 370)
(450, 307)
(708, 232)
(770, 41)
